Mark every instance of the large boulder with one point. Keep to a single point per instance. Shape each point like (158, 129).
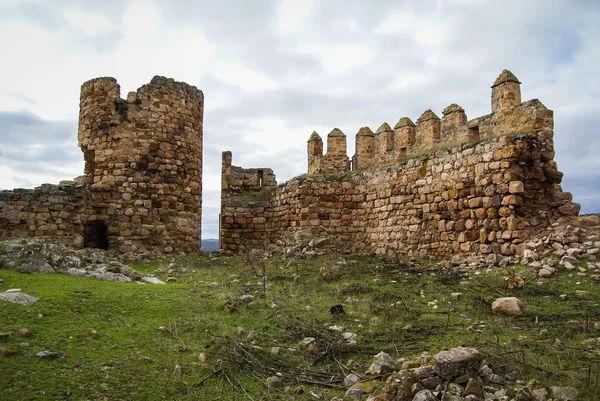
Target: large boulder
(457, 362)
(508, 306)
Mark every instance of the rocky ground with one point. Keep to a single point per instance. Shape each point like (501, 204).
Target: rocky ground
(303, 324)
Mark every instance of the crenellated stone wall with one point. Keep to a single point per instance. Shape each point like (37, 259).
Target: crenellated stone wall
(142, 188)
(435, 188)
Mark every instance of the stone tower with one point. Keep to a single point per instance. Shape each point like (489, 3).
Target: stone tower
(506, 92)
(143, 166)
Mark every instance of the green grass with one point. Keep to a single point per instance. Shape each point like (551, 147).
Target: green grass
(130, 358)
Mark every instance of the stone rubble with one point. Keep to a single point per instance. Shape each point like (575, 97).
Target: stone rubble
(463, 374)
(40, 255)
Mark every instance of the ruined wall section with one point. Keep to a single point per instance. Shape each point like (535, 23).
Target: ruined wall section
(449, 186)
(245, 206)
(144, 164)
(51, 211)
(476, 198)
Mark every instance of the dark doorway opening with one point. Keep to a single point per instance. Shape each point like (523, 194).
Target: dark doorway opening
(95, 235)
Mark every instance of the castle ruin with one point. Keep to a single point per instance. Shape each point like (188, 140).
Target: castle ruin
(142, 186)
(436, 188)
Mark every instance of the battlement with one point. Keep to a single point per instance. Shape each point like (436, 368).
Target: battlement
(430, 133)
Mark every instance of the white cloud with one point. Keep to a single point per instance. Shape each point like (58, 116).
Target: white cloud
(293, 13)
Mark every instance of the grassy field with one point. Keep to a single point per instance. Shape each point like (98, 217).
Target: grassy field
(181, 341)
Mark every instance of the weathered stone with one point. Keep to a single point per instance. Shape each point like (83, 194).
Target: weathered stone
(274, 382)
(564, 393)
(18, 298)
(359, 389)
(47, 354)
(475, 387)
(424, 395)
(508, 306)
(456, 362)
(382, 363)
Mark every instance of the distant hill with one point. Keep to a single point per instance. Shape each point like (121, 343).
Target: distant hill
(210, 244)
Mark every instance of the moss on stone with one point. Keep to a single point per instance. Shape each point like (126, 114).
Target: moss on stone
(315, 137)
(453, 108)
(384, 127)
(336, 132)
(404, 122)
(427, 115)
(505, 76)
(365, 131)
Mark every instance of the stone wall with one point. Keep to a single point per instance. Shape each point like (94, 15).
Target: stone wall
(51, 211)
(435, 188)
(142, 189)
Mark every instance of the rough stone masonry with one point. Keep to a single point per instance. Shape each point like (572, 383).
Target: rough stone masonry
(437, 187)
(142, 188)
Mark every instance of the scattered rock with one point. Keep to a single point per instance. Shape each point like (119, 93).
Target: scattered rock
(564, 393)
(350, 380)
(247, 298)
(152, 280)
(359, 389)
(508, 306)
(171, 279)
(475, 387)
(540, 394)
(25, 333)
(424, 395)
(306, 341)
(17, 297)
(382, 363)
(47, 354)
(274, 382)
(7, 352)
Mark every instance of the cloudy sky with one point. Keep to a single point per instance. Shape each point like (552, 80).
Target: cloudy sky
(274, 71)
